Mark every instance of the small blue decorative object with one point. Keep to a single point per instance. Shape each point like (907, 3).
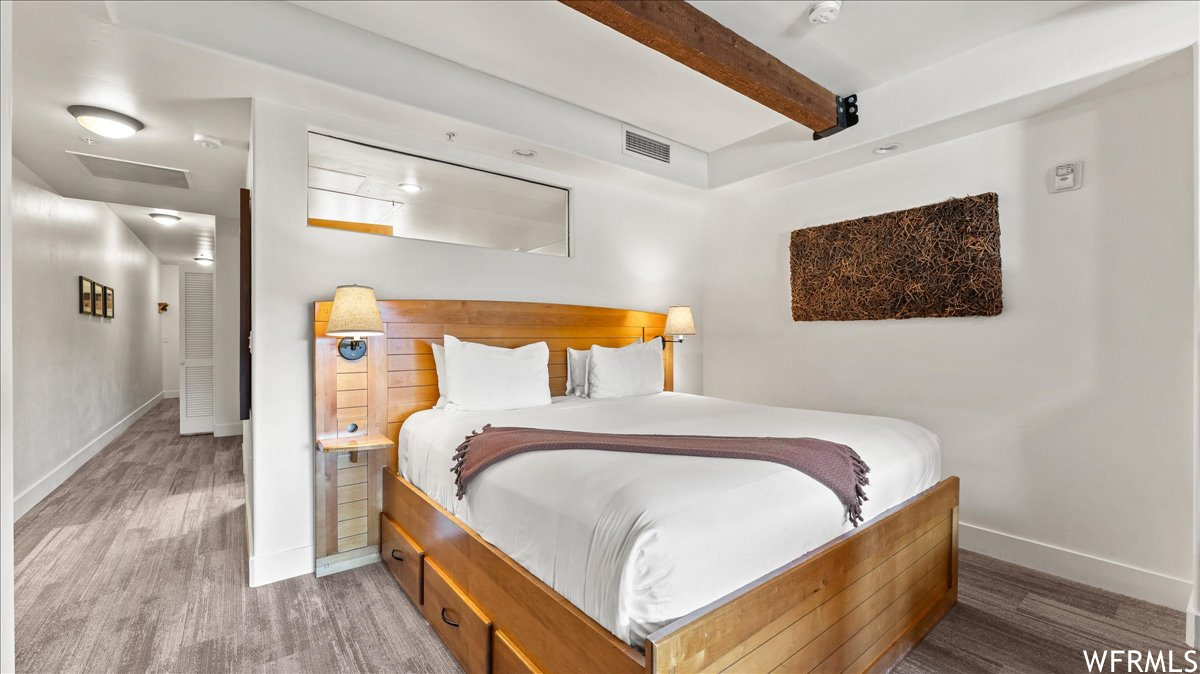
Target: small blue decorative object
(352, 349)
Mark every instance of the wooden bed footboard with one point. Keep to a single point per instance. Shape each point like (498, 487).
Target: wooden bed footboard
(858, 603)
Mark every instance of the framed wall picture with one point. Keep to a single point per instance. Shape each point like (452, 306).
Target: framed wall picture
(109, 302)
(85, 295)
(97, 299)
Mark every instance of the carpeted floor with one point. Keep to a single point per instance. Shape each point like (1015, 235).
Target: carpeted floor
(138, 563)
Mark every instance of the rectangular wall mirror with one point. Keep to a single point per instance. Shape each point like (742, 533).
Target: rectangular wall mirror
(357, 187)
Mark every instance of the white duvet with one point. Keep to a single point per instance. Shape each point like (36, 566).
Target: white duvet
(636, 540)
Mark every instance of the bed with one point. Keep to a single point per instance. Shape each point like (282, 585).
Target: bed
(588, 561)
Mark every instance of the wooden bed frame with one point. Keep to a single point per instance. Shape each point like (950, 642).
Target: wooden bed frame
(858, 603)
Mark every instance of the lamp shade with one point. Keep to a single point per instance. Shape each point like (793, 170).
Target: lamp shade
(679, 321)
(355, 313)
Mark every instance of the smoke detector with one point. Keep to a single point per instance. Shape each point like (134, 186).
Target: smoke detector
(207, 142)
(825, 11)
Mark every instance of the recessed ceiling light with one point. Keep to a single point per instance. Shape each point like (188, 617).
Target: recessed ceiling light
(105, 122)
(204, 259)
(525, 153)
(165, 218)
(887, 149)
(825, 11)
(411, 188)
(206, 142)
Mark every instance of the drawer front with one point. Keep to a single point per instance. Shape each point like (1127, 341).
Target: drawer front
(508, 659)
(465, 630)
(403, 557)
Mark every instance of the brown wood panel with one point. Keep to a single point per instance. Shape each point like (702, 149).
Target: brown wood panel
(351, 381)
(403, 347)
(352, 510)
(537, 333)
(352, 542)
(508, 659)
(413, 394)
(462, 626)
(351, 492)
(718, 635)
(516, 601)
(365, 227)
(403, 558)
(351, 398)
(914, 558)
(412, 378)
(349, 476)
(485, 312)
(346, 366)
(422, 362)
(681, 32)
(411, 330)
(357, 415)
(352, 527)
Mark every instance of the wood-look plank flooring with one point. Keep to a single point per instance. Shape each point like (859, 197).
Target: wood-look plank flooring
(137, 563)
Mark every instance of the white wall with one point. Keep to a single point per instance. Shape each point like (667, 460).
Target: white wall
(7, 631)
(168, 291)
(631, 249)
(226, 333)
(82, 379)
(1068, 417)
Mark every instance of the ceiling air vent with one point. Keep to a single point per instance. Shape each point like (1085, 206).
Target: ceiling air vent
(644, 146)
(132, 171)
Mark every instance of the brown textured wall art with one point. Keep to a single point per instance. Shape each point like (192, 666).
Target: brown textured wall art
(936, 260)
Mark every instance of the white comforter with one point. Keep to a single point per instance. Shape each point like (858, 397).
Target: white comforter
(637, 541)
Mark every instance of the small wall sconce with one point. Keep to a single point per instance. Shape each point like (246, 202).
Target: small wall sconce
(679, 322)
(355, 315)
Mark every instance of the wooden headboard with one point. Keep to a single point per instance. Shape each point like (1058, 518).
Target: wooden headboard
(397, 378)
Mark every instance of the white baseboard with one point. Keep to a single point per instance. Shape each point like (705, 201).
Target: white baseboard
(25, 501)
(277, 566)
(226, 430)
(1106, 574)
(171, 394)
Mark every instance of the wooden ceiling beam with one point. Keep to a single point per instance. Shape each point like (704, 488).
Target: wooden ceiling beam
(691, 37)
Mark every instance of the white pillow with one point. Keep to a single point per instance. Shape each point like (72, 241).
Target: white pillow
(439, 364)
(482, 377)
(632, 370)
(577, 369)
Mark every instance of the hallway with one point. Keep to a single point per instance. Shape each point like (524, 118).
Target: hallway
(137, 562)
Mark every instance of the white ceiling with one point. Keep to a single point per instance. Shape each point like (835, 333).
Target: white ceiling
(555, 50)
(180, 243)
(72, 55)
(875, 42)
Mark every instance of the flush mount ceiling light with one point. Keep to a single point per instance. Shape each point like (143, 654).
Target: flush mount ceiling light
(165, 219)
(206, 142)
(204, 259)
(525, 153)
(887, 149)
(105, 122)
(825, 11)
(411, 188)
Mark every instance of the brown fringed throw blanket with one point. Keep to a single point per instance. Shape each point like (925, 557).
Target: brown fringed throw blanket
(835, 466)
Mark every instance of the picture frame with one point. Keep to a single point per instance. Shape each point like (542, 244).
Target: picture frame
(109, 302)
(85, 295)
(97, 299)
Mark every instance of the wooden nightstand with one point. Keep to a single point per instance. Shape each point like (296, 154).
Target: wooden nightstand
(348, 483)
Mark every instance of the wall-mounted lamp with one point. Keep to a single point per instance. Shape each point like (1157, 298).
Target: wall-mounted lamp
(355, 315)
(679, 322)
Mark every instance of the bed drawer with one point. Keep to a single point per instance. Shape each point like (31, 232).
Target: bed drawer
(508, 659)
(464, 629)
(403, 557)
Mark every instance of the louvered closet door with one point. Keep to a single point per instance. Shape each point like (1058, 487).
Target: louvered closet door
(196, 354)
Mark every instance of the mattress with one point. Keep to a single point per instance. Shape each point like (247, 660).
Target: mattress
(638, 540)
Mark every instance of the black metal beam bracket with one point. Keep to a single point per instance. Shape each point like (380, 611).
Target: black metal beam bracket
(847, 114)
